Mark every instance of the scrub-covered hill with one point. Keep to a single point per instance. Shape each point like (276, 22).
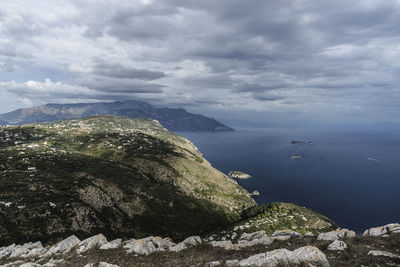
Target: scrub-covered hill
(114, 175)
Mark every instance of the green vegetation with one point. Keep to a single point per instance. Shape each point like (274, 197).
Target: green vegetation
(278, 216)
(114, 175)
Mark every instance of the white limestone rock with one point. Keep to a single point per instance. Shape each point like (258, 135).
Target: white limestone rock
(53, 263)
(212, 263)
(336, 234)
(271, 258)
(232, 263)
(105, 264)
(162, 244)
(285, 233)
(383, 230)
(112, 244)
(309, 255)
(18, 251)
(178, 247)
(35, 252)
(265, 240)
(383, 253)
(63, 246)
(141, 247)
(223, 244)
(91, 242)
(192, 241)
(252, 236)
(308, 234)
(30, 264)
(5, 251)
(14, 263)
(337, 245)
(188, 242)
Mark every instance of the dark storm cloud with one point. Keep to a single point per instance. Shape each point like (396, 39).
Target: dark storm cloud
(267, 98)
(115, 85)
(260, 88)
(306, 54)
(101, 67)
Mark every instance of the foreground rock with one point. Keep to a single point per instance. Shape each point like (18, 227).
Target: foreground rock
(337, 234)
(62, 247)
(282, 248)
(383, 253)
(337, 245)
(188, 242)
(309, 255)
(91, 242)
(383, 230)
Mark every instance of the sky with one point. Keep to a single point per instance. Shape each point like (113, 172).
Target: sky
(308, 61)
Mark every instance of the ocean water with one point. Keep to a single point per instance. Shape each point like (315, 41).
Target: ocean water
(351, 177)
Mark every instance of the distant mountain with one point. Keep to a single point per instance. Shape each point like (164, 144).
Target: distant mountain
(174, 119)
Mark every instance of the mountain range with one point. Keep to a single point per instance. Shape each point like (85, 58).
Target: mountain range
(174, 119)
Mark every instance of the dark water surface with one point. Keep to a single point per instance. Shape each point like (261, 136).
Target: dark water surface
(351, 177)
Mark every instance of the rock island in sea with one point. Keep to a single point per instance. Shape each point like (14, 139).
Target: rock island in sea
(239, 175)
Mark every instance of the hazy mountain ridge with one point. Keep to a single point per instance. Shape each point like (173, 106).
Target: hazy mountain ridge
(174, 119)
(114, 175)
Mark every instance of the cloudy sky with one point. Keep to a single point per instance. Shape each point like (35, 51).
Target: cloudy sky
(261, 60)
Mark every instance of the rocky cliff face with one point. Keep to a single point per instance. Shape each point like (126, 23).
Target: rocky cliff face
(174, 119)
(118, 176)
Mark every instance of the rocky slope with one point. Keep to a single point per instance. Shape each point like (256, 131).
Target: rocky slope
(174, 119)
(341, 247)
(114, 175)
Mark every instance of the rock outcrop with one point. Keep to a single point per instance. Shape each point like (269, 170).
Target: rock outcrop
(337, 245)
(378, 253)
(309, 255)
(337, 234)
(383, 230)
(248, 249)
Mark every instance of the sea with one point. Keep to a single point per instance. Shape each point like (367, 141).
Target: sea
(350, 176)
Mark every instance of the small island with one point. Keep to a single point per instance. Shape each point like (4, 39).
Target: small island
(297, 142)
(239, 175)
(295, 156)
(300, 142)
(255, 193)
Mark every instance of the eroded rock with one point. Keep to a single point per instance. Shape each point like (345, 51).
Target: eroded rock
(337, 234)
(383, 230)
(337, 245)
(188, 242)
(383, 253)
(140, 246)
(63, 246)
(112, 244)
(91, 242)
(309, 255)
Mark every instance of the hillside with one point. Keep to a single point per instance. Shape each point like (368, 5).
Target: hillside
(174, 119)
(113, 175)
